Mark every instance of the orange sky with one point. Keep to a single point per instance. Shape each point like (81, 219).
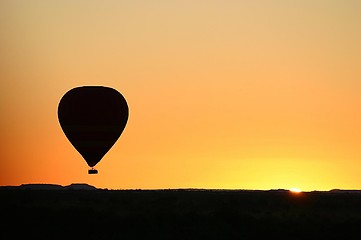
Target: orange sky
(222, 94)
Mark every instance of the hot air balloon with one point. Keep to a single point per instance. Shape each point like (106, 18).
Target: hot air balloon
(93, 118)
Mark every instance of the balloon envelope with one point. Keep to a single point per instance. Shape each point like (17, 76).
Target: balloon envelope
(93, 118)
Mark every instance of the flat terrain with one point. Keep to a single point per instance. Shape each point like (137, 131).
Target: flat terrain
(179, 214)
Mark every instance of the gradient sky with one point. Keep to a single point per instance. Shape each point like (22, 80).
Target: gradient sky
(222, 94)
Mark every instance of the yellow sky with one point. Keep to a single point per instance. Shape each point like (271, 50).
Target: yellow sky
(222, 94)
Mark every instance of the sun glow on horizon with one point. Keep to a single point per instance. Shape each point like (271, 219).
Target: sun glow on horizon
(295, 190)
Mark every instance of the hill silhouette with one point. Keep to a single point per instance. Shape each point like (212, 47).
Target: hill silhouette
(43, 186)
(72, 213)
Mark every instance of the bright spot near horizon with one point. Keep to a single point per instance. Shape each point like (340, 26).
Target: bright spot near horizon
(295, 190)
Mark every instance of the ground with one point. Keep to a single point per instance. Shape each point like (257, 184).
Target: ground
(178, 214)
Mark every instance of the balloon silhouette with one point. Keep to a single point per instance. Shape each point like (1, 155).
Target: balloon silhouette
(93, 118)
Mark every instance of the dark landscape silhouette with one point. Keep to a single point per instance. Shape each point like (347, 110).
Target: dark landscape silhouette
(81, 211)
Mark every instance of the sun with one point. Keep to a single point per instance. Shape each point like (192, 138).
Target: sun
(295, 190)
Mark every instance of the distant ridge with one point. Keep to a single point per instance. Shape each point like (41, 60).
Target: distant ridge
(85, 186)
(345, 191)
(45, 186)
(80, 186)
(41, 186)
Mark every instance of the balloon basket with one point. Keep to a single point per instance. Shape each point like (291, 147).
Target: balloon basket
(92, 171)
